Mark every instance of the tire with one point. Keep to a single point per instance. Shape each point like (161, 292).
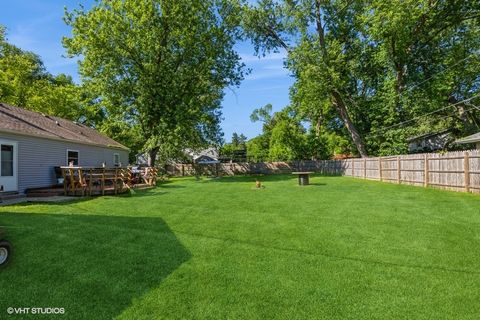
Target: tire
(5, 252)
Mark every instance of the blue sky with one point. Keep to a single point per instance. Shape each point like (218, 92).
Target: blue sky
(38, 26)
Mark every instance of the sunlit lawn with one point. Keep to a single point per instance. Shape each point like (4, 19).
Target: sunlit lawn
(341, 248)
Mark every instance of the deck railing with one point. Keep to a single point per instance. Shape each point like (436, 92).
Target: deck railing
(92, 180)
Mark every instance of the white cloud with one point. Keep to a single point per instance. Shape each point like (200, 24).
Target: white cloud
(267, 74)
(282, 87)
(43, 37)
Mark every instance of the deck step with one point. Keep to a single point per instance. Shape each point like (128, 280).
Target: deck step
(44, 192)
(10, 195)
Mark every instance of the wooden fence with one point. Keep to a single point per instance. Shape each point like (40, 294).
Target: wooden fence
(457, 171)
(242, 168)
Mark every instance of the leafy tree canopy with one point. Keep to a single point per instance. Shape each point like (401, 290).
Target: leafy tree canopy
(24, 82)
(160, 65)
(363, 68)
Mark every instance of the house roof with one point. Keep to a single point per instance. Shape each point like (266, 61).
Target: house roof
(210, 152)
(26, 122)
(206, 159)
(428, 135)
(470, 139)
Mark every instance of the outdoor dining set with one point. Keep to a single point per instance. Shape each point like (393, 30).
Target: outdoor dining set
(87, 181)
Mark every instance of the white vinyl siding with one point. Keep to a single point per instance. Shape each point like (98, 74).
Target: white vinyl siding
(37, 157)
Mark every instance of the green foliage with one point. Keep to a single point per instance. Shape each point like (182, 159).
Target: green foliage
(364, 67)
(24, 82)
(257, 148)
(162, 65)
(238, 141)
(236, 150)
(262, 114)
(287, 140)
(127, 134)
(283, 137)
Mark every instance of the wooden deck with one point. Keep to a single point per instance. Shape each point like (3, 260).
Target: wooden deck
(89, 181)
(56, 191)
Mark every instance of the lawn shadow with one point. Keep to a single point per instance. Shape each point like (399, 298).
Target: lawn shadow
(317, 184)
(93, 266)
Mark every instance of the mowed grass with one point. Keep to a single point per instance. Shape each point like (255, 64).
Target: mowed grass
(341, 248)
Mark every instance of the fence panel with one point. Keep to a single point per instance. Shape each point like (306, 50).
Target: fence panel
(474, 169)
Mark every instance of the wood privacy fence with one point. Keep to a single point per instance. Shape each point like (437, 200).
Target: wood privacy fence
(458, 171)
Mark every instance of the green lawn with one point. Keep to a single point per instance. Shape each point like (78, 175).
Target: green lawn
(341, 248)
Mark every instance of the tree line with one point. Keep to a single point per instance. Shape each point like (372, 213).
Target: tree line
(368, 74)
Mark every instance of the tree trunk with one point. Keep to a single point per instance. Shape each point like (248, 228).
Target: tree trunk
(356, 137)
(318, 126)
(152, 156)
(336, 97)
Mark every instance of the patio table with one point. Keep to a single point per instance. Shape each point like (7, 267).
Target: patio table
(303, 177)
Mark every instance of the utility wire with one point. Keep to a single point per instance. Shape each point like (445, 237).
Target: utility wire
(472, 105)
(424, 81)
(436, 74)
(421, 83)
(439, 118)
(425, 115)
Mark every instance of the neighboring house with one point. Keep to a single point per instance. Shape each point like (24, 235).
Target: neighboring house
(430, 142)
(33, 144)
(209, 155)
(473, 139)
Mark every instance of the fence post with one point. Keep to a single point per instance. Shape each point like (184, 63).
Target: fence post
(466, 169)
(364, 168)
(425, 173)
(353, 167)
(380, 174)
(183, 170)
(399, 170)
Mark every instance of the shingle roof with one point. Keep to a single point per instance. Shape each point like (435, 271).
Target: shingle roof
(470, 139)
(23, 121)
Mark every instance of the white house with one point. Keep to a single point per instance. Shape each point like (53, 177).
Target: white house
(33, 144)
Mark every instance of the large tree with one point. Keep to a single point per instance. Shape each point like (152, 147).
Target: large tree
(364, 67)
(159, 65)
(314, 34)
(426, 55)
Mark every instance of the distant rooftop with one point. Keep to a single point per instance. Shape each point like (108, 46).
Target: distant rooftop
(474, 138)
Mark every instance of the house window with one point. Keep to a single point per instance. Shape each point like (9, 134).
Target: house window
(6, 157)
(72, 157)
(116, 159)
